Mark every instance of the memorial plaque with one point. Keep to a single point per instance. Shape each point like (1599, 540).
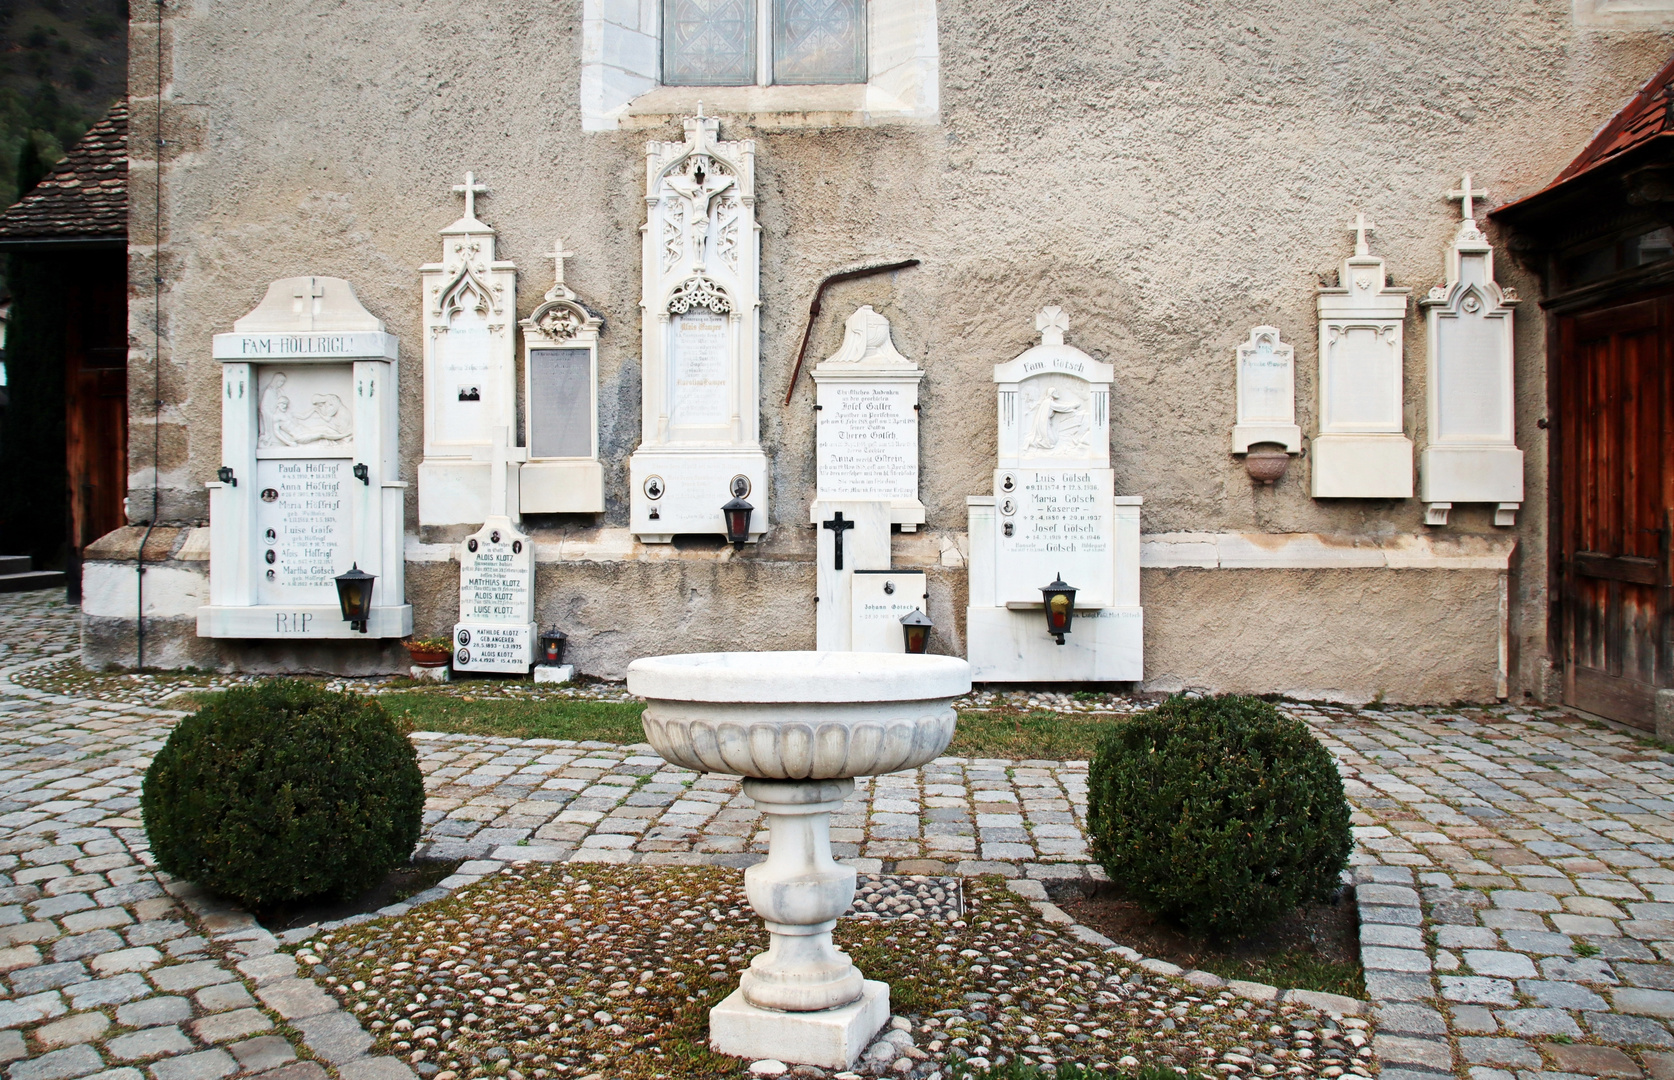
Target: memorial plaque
(701, 364)
(304, 529)
(560, 403)
(1265, 385)
(868, 441)
(879, 598)
(464, 364)
(1055, 522)
(493, 647)
(1363, 373)
(1471, 398)
(303, 410)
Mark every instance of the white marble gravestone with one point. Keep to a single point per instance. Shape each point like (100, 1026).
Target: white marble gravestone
(1266, 411)
(1472, 456)
(701, 441)
(496, 629)
(878, 601)
(1361, 450)
(867, 426)
(562, 474)
(309, 461)
(851, 535)
(1054, 513)
(470, 383)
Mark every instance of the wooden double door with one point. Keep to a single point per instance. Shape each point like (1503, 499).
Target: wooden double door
(1613, 505)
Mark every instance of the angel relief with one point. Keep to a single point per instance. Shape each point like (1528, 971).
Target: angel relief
(1058, 422)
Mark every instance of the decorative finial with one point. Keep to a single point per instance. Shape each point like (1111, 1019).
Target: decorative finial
(471, 189)
(1360, 228)
(1053, 324)
(1467, 197)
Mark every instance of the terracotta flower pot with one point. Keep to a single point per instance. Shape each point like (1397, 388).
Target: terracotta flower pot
(429, 657)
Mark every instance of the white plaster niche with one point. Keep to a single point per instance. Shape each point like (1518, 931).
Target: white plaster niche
(1265, 430)
(1361, 451)
(470, 369)
(1472, 456)
(700, 409)
(562, 473)
(307, 484)
(1054, 513)
(866, 444)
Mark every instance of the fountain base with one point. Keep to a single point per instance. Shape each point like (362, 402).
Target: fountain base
(830, 1039)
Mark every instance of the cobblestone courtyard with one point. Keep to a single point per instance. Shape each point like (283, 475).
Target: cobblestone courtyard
(1516, 876)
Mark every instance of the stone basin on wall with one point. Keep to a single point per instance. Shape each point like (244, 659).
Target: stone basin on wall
(798, 727)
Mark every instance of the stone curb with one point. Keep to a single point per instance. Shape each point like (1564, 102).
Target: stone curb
(1336, 1006)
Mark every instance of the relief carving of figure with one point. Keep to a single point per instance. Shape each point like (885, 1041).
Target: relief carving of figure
(1056, 417)
(328, 421)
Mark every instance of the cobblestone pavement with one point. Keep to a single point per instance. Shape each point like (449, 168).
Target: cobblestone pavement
(1516, 870)
(1517, 896)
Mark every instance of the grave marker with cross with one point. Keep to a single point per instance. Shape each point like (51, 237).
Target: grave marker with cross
(853, 536)
(308, 298)
(471, 189)
(1467, 196)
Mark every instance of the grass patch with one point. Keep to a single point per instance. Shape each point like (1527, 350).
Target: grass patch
(1013, 733)
(1297, 968)
(554, 718)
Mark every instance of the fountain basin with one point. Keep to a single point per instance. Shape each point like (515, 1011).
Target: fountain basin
(798, 727)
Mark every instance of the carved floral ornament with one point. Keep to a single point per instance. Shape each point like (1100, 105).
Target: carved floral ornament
(699, 292)
(562, 319)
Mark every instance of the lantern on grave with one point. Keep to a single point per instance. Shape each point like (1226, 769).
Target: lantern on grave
(737, 514)
(915, 627)
(552, 646)
(354, 596)
(1059, 600)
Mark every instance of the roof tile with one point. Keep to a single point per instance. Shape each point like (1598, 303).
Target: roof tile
(79, 196)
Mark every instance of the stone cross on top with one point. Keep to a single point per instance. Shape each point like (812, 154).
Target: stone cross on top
(471, 189)
(501, 456)
(1053, 324)
(308, 299)
(1467, 196)
(558, 255)
(1360, 228)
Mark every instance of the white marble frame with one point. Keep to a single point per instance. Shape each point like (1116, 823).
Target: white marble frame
(561, 485)
(453, 473)
(376, 506)
(1281, 427)
(621, 60)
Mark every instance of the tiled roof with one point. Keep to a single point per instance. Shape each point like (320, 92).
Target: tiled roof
(85, 194)
(1646, 116)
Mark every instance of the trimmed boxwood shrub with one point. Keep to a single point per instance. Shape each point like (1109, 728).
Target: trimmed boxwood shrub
(1218, 813)
(283, 791)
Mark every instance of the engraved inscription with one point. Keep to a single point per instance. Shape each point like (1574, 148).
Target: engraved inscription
(868, 442)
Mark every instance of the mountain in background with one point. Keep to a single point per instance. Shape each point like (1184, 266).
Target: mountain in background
(62, 64)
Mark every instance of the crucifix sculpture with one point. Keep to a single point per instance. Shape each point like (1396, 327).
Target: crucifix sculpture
(471, 189)
(837, 526)
(1467, 196)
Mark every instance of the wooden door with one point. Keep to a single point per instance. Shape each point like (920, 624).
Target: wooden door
(1612, 506)
(96, 401)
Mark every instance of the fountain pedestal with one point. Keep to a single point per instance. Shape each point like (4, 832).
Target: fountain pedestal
(799, 726)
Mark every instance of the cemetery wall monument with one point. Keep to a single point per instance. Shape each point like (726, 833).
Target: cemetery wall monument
(1078, 168)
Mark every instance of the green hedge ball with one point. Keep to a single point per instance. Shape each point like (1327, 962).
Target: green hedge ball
(283, 791)
(1220, 814)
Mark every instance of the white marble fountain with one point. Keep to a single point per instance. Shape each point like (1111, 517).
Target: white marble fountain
(799, 726)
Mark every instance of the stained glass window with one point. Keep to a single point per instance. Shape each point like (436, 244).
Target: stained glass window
(709, 42)
(819, 41)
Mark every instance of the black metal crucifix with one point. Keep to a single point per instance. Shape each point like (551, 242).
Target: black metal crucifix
(837, 526)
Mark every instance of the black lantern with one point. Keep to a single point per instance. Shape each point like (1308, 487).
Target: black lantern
(354, 595)
(737, 515)
(915, 627)
(552, 646)
(225, 475)
(1060, 607)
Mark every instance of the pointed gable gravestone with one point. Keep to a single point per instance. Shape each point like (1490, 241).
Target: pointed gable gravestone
(307, 487)
(470, 386)
(1472, 456)
(1361, 450)
(561, 403)
(1053, 514)
(701, 429)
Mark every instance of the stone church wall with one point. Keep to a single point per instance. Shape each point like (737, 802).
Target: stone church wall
(1169, 175)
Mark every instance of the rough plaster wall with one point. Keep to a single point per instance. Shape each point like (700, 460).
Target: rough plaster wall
(1409, 637)
(1171, 174)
